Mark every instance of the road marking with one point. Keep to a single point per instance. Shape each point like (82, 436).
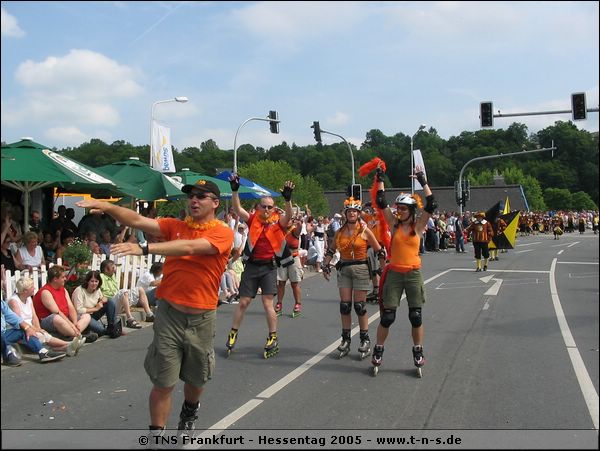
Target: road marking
(576, 263)
(560, 252)
(571, 245)
(524, 250)
(583, 276)
(493, 290)
(585, 382)
(245, 409)
(529, 244)
(505, 270)
(486, 305)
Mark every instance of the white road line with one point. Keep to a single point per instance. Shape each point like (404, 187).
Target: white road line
(576, 263)
(571, 245)
(504, 270)
(529, 244)
(245, 409)
(560, 252)
(585, 382)
(486, 305)
(493, 290)
(524, 250)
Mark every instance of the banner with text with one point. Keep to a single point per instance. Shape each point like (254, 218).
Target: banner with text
(161, 153)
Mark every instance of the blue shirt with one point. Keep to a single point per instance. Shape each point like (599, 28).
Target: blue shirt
(10, 317)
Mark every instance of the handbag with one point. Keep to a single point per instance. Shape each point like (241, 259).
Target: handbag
(116, 330)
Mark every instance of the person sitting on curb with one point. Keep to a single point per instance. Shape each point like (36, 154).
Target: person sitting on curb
(56, 311)
(21, 332)
(88, 298)
(22, 304)
(110, 289)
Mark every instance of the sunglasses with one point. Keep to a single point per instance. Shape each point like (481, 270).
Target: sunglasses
(200, 196)
(267, 207)
(401, 208)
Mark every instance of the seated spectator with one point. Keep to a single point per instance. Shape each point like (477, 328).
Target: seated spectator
(110, 289)
(55, 310)
(15, 330)
(30, 255)
(7, 258)
(95, 248)
(88, 298)
(49, 246)
(105, 242)
(22, 304)
(150, 280)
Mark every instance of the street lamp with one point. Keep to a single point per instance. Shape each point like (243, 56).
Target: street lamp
(175, 99)
(412, 158)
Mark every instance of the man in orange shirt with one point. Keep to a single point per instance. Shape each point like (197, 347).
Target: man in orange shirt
(197, 249)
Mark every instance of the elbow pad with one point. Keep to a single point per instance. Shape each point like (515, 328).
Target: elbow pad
(431, 204)
(380, 199)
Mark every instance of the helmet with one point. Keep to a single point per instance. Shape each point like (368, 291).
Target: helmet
(352, 204)
(480, 214)
(406, 199)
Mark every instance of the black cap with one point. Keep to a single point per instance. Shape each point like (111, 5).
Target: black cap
(203, 185)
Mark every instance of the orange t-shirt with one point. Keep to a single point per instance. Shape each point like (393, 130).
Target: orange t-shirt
(193, 280)
(352, 247)
(405, 251)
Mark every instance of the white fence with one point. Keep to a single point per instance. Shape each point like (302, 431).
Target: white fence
(129, 270)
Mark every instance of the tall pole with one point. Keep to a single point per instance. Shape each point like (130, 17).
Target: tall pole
(349, 148)
(489, 157)
(175, 99)
(412, 158)
(267, 119)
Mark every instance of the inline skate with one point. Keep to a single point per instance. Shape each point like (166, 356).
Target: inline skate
(365, 345)
(376, 359)
(231, 340)
(271, 346)
(297, 310)
(419, 360)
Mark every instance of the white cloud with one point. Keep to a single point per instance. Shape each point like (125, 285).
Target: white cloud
(68, 135)
(338, 118)
(80, 88)
(9, 25)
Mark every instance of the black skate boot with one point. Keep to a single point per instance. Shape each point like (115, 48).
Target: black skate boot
(231, 340)
(376, 359)
(365, 345)
(418, 358)
(271, 346)
(187, 419)
(344, 347)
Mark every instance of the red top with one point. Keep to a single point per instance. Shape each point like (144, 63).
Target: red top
(60, 297)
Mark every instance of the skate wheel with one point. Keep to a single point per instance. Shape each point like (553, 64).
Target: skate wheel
(419, 373)
(374, 370)
(228, 352)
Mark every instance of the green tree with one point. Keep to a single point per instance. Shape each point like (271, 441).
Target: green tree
(582, 201)
(558, 198)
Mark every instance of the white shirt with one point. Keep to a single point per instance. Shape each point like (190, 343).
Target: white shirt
(26, 309)
(27, 259)
(145, 280)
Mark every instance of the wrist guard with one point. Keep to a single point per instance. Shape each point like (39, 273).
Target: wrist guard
(286, 192)
(327, 269)
(379, 174)
(329, 253)
(234, 182)
(421, 178)
(381, 252)
(431, 204)
(380, 200)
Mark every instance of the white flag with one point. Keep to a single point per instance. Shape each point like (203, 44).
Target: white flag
(418, 159)
(161, 154)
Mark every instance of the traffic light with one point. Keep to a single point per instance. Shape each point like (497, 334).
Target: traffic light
(578, 106)
(274, 124)
(486, 114)
(317, 131)
(357, 191)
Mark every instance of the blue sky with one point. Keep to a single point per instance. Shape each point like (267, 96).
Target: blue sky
(73, 71)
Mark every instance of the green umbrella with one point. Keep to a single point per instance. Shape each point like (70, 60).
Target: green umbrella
(188, 177)
(28, 166)
(151, 185)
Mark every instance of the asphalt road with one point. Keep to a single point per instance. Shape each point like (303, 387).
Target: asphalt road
(509, 350)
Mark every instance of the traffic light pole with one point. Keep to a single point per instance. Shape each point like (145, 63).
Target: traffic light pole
(538, 113)
(349, 148)
(489, 157)
(238, 130)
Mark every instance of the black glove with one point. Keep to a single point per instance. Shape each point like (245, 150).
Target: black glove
(379, 174)
(421, 178)
(234, 181)
(286, 192)
(327, 270)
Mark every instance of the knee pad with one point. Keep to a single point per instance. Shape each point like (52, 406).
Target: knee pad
(388, 317)
(360, 308)
(345, 308)
(414, 316)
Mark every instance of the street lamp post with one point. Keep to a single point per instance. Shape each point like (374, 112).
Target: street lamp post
(175, 99)
(412, 158)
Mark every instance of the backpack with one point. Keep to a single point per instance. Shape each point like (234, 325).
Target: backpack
(117, 328)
